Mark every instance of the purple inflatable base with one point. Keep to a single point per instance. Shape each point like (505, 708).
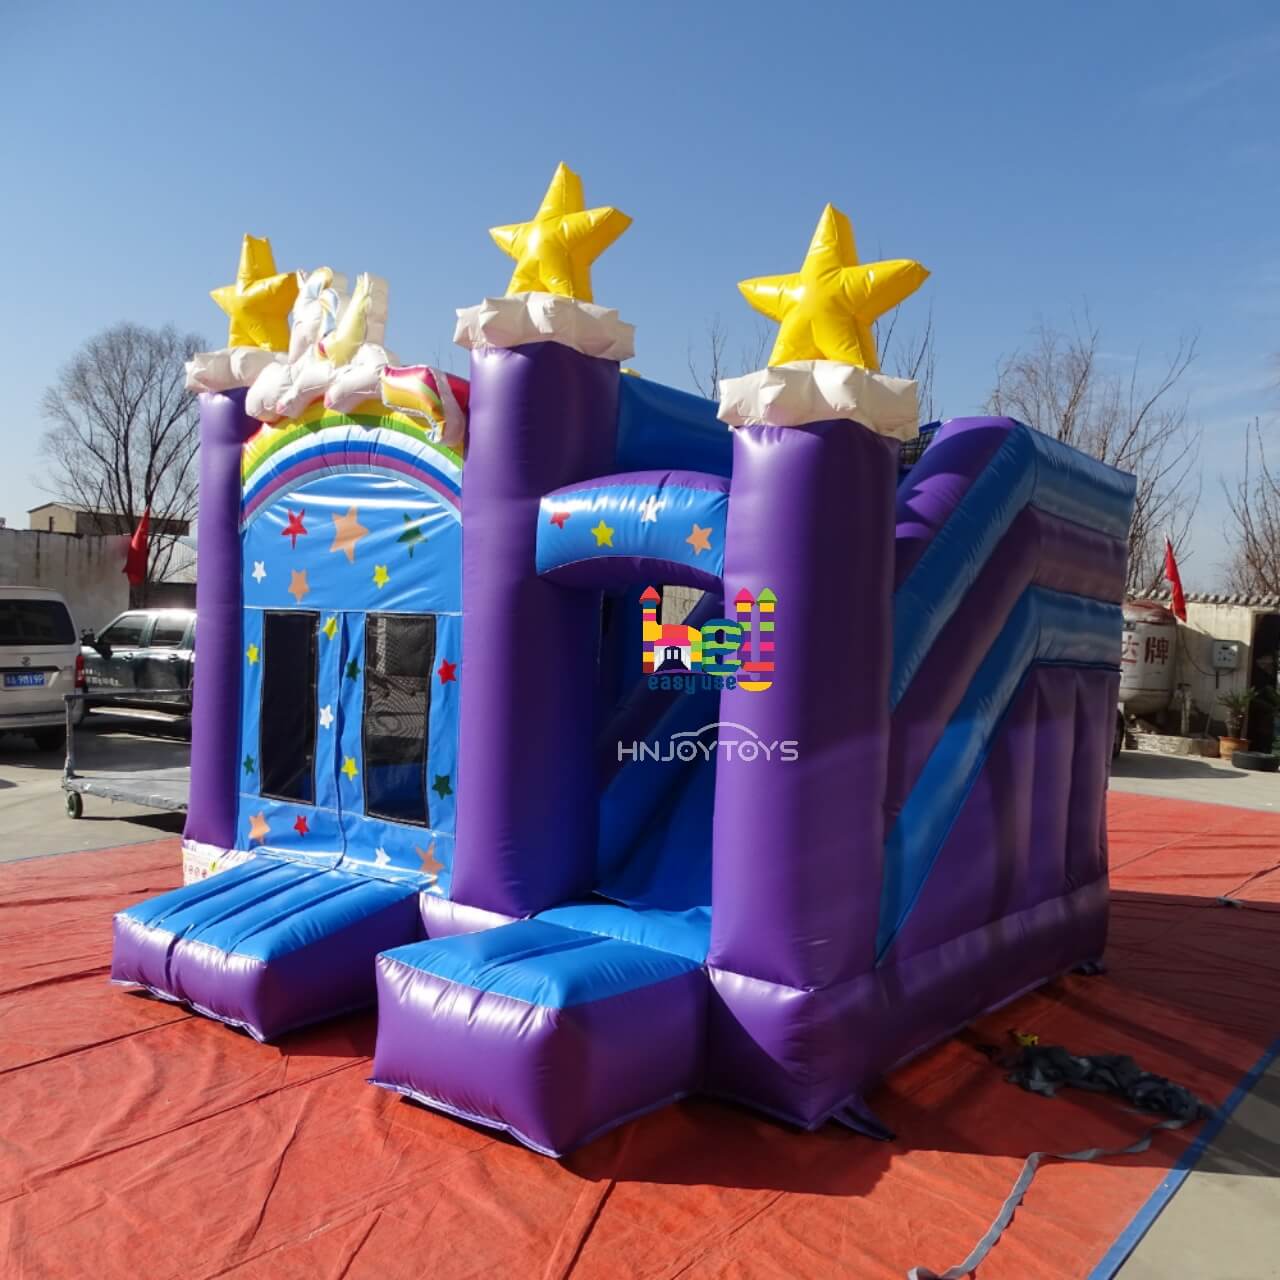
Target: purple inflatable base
(499, 1126)
(554, 1078)
(803, 1056)
(330, 976)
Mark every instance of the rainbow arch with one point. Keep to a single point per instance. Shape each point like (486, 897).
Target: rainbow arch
(371, 438)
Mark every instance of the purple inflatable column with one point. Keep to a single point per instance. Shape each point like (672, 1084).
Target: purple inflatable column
(798, 844)
(215, 714)
(542, 416)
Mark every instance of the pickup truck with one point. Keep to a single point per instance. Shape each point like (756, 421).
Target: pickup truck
(143, 650)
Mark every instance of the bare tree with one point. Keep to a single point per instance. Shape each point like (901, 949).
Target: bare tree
(122, 434)
(1058, 385)
(1255, 506)
(706, 370)
(910, 356)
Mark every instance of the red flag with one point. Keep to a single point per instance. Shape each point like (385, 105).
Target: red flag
(1174, 579)
(135, 563)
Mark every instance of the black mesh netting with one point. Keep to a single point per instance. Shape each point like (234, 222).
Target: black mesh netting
(399, 657)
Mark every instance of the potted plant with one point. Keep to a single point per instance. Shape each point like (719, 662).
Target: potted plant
(1237, 706)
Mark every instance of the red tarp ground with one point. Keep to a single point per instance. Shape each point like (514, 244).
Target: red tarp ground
(137, 1140)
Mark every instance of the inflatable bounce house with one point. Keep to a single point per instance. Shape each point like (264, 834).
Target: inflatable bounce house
(608, 857)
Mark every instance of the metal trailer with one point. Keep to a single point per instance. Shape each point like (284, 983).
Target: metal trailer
(152, 789)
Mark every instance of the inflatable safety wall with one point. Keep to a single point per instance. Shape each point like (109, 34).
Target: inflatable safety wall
(766, 850)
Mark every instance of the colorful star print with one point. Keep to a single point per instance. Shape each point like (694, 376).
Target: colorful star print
(259, 570)
(559, 517)
(347, 531)
(326, 717)
(298, 584)
(441, 785)
(412, 534)
(349, 768)
(447, 671)
(330, 627)
(699, 539)
(301, 825)
(295, 529)
(603, 535)
(431, 865)
(258, 829)
(249, 764)
(380, 576)
(649, 509)
(252, 653)
(353, 669)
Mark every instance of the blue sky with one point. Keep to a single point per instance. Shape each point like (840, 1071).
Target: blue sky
(1038, 159)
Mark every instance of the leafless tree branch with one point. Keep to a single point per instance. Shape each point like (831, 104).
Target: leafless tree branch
(1058, 385)
(1254, 503)
(122, 434)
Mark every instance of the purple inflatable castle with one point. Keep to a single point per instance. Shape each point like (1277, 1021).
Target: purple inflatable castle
(610, 857)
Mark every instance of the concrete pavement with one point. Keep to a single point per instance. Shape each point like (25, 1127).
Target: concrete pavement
(33, 816)
(1194, 778)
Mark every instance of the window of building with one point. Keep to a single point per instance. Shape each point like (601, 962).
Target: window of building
(399, 655)
(287, 724)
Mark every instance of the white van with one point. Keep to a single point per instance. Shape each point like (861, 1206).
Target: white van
(40, 660)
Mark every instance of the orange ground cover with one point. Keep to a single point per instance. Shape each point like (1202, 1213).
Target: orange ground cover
(138, 1140)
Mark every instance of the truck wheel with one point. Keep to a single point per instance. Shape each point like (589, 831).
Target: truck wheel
(50, 739)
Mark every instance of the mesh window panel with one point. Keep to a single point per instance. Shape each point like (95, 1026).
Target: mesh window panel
(399, 655)
(287, 737)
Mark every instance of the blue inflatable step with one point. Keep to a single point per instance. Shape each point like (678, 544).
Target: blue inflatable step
(550, 1033)
(269, 945)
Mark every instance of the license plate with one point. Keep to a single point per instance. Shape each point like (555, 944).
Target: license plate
(23, 679)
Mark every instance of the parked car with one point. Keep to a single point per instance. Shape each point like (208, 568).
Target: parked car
(40, 660)
(144, 650)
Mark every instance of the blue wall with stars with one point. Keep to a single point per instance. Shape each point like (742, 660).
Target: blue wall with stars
(338, 549)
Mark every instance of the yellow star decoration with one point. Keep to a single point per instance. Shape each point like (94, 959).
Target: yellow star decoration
(431, 865)
(699, 539)
(826, 309)
(252, 654)
(554, 250)
(330, 627)
(298, 584)
(347, 531)
(258, 829)
(380, 576)
(258, 303)
(603, 535)
(349, 768)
